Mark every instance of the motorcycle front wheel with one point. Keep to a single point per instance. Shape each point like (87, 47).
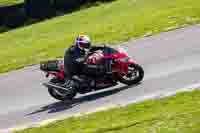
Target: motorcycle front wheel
(134, 76)
(62, 96)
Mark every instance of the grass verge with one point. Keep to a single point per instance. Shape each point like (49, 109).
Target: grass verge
(112, 23)
(175, 114)
(9, 2)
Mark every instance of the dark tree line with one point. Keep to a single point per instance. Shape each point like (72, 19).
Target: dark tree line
(21, 14)
(39, 8)
(44, 8)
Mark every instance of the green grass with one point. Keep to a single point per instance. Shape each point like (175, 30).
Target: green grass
(9, 2)
(111, 23)
(175, 114)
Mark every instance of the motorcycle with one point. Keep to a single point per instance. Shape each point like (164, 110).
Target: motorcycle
(124, 70)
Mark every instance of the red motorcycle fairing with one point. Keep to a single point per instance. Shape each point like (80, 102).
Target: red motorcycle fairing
(121, 62)
(95, 58)
(125, 57)
(131, 61)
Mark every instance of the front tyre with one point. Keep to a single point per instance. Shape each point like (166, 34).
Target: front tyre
(134, 76)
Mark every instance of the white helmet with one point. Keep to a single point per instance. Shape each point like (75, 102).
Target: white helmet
(83, 42)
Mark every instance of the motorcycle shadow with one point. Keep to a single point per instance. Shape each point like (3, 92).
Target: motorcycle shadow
(64, 105)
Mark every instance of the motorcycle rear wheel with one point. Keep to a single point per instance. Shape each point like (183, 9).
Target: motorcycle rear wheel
(136, 69)
(57, 95)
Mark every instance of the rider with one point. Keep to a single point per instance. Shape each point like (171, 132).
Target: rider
(75, 56)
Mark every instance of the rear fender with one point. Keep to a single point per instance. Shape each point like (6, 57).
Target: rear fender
(59, 75)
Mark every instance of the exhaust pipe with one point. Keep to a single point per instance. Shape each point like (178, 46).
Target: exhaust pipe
(56, 87)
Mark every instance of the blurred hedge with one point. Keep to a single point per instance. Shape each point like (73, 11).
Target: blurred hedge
(14, 16)
(71, 4)
(39, 9)
(45, 8)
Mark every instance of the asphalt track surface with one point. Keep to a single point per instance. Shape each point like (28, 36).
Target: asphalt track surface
(170, 60)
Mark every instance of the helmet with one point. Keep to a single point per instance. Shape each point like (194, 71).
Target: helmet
(83, 42)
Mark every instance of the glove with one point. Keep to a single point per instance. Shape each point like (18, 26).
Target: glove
(80, 60)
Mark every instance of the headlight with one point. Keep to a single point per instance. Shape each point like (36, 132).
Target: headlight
(125, 60)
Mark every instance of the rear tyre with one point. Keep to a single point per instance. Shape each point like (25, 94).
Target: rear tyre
(135, 75)
(62, 96)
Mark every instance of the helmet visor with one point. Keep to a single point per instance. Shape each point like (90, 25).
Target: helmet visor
(84, 45)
